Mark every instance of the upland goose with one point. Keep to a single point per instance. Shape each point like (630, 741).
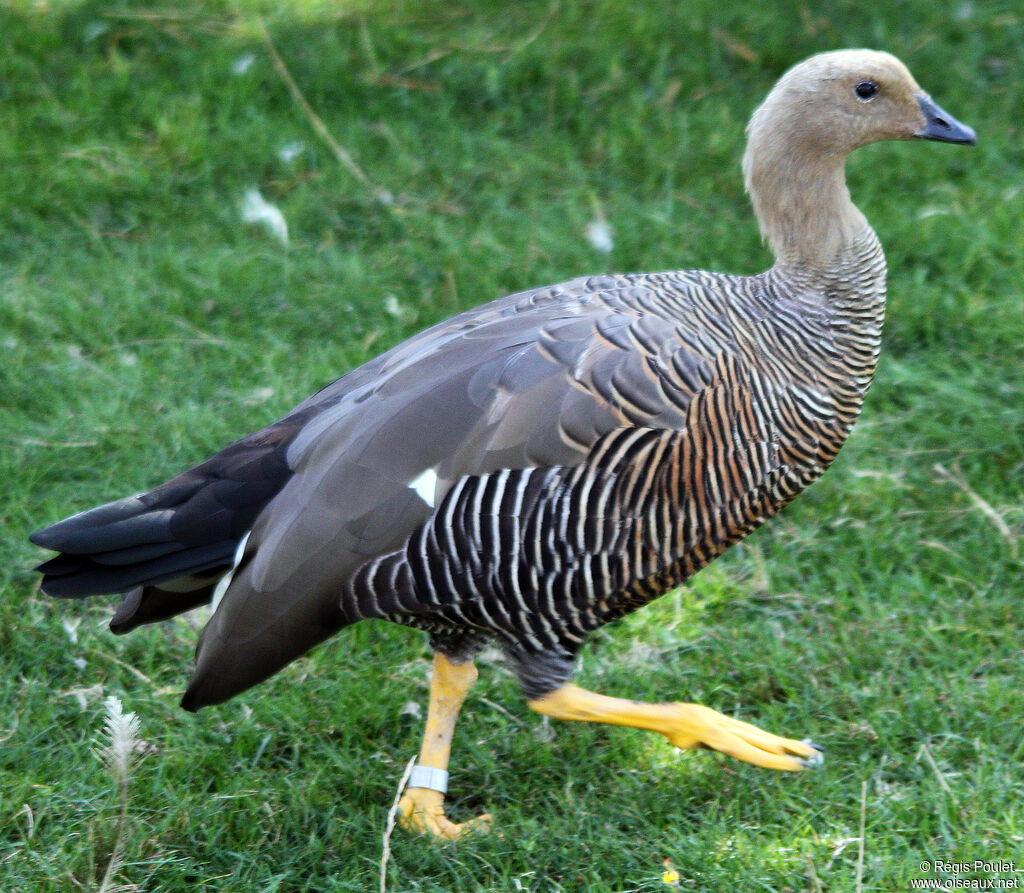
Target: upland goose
(546, 463)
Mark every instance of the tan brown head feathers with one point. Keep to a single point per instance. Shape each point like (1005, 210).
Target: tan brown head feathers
(798, 139)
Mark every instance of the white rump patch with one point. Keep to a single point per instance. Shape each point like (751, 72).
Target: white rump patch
(426, 486)
(225, 581)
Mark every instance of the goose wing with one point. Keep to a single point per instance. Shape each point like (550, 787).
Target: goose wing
(532, 380)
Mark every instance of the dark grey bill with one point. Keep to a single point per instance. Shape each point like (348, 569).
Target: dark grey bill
(941, 126)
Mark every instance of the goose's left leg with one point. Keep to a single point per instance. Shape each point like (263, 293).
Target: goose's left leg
(685, 725)
(422, 804)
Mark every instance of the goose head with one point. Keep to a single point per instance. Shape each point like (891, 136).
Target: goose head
(818, 112)
(836, 102)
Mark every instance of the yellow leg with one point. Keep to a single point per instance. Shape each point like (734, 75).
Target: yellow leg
(685, 725)
(422, 808)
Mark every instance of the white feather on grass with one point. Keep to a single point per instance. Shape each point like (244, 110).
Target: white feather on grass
(394, 307)
(256, 209)
(94, 30)
(599, 235)
(71, 628)
(291, 150)
(242, 64)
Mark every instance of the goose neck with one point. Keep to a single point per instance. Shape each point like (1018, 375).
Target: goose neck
(803, 206)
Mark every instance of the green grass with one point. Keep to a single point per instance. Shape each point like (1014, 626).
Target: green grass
(143, 325)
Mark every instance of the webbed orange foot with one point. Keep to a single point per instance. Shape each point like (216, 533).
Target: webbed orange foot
(423, 811)
(693, 725)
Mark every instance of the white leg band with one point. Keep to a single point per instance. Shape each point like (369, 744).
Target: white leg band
(428, 777)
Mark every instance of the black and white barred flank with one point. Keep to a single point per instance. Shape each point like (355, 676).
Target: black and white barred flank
(539, 557)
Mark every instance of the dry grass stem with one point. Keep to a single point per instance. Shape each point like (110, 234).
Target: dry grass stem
(956, 478)
(119, 747)
(927, 751)
(385, 855)
(340, 153)
(860, 839)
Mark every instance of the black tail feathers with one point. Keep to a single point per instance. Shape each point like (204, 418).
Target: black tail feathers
(168, 547)
(127, 543)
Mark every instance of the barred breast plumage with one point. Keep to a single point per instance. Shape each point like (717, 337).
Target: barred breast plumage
(711, 402)
(548, 462)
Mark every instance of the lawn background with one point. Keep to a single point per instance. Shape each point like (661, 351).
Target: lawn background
(144, 324)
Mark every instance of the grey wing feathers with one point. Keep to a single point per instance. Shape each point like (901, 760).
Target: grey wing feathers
(531, 380)
(519, 383)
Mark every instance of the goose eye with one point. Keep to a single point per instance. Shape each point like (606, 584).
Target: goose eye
(866, 90)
